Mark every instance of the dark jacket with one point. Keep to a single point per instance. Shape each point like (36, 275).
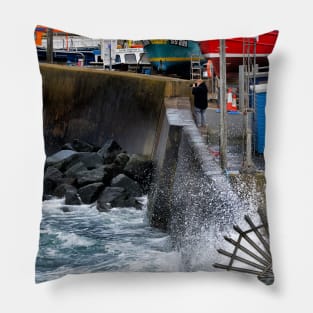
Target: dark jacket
(201, 96)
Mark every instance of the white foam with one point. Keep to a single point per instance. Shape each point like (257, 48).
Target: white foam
(157, 261)
(56, 205)
(72, 240)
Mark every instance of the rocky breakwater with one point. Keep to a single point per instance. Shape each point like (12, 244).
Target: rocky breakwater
(107, 176)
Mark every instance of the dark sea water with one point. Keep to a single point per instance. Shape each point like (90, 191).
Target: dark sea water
(85, 240)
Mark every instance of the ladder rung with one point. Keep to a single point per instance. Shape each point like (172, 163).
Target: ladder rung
(195, 67)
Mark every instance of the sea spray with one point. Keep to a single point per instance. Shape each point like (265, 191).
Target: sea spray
(204, 209)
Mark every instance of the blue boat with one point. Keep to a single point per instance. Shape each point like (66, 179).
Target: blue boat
(171, 56)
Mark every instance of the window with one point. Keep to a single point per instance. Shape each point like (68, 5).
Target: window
(117, 58)
(130, 58)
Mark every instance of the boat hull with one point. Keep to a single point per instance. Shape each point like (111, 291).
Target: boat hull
(239, 48)
(171, 56)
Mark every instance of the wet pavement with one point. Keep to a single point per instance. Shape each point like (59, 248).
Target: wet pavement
(235, 139)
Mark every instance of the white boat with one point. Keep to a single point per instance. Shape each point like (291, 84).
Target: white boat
(124, 59)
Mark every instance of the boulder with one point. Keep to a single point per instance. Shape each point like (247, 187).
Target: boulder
(59, 157)
(96, 175)
(68, 180)
(46, 197)
(65, 163)
(108, 196)
(65, 209)
(89, 193)
(91, 160)
(115, 197)
(140, 169)
(72, 197)
(82, 146)
(121, 159)
(53, 173)
(61, 190)
(112, 169)
(75, 170)
(109, 151)
(52, 178)
(130, 186)
(67, 146)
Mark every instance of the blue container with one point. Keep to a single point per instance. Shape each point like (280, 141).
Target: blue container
(260, 102)
(259, 116)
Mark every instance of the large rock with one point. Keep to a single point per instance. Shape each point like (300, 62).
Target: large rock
(82, 146)
(53, 173)
(91, 160)
(72, 197)
(130, 186)
(121, 159)
(59, 157)
(89, 193)
(61, 190)
(52, 178)
(93, 176)
(63, 163)
(67, 146)
(75, 170)
(109, 151)
(108, 196)
(115, 197)
(113, 169)
(140, 169)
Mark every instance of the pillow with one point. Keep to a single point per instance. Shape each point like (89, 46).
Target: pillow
(154, 155)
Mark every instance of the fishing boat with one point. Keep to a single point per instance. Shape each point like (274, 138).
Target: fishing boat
(239, 48)
(171, 56)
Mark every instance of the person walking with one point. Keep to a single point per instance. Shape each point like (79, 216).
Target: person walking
(200, 92)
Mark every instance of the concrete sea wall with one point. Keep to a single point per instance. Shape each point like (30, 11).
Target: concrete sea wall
(94, 105)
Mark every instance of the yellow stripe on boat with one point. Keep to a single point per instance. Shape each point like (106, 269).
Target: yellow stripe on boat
(159, 41)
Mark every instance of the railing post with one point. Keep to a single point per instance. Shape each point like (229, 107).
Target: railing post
(223, 121)
(49, 45)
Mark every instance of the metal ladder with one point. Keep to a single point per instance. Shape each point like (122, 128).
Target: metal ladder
(195, 67)
(247, 79)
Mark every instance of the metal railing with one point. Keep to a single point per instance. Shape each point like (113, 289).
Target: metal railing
(260, 263)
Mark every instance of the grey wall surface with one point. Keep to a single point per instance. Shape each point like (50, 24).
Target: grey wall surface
(94, 105)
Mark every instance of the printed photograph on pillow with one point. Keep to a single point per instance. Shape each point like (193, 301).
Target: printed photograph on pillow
(154, 155)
